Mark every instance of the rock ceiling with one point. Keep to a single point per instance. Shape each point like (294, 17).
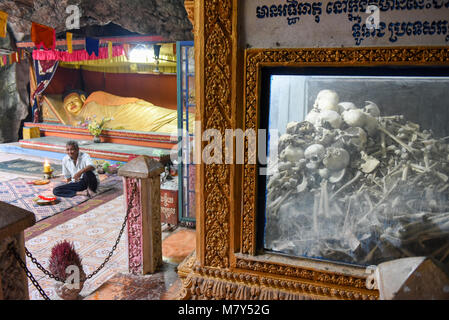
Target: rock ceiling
(166, 18)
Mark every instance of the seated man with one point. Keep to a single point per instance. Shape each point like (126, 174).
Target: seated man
(79, 172)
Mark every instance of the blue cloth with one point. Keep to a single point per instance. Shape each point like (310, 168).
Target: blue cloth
(92, 45)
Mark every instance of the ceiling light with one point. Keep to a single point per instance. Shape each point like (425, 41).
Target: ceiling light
(142, 54)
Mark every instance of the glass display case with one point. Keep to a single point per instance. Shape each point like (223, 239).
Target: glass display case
(186, 112)
(358, 163)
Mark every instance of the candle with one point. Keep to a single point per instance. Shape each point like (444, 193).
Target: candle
(47, 167)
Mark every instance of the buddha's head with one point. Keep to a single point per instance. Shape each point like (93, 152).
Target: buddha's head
(73, 102)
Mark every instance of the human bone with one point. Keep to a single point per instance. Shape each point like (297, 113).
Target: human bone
(327, 100)
(336, 159)
(390, 199)
(370, 164)
(324, 173)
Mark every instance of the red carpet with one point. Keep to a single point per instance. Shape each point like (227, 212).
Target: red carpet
(176, 247)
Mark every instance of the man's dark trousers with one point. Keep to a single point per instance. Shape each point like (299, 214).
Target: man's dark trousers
(88, 180)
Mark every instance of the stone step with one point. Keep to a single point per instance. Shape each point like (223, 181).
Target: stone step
(106, 151)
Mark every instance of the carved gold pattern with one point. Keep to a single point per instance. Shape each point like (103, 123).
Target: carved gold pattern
(214, 277)
(190, 9)
(212, 283)
(257, 58)
(217, 115)
(302, 273)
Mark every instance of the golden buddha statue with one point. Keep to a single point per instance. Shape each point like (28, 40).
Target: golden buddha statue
(125, 113)
(73, 103)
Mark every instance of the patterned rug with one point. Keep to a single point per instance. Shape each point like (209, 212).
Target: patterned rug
(71, 213)
(21, 194)
(28, 167)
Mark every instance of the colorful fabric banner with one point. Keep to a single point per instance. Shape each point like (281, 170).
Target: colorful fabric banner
(76, 55)
(110, 56)
(43, 35)
(69, 42)
(92, 46)
(3, 23)
(44, 71)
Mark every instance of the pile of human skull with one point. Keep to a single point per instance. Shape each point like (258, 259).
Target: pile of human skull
(354, 186)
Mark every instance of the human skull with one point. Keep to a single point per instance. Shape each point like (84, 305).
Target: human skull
(327, 100)
(292, 154)
(355, 136)
(285, 140)
(337, 176)
(324, 173)
(354, 117)
(336, 159)
(313, 117)
(371, 124)
(314, 154)
(292, 127)
(372, 109)
(331, 117)
(344, 106)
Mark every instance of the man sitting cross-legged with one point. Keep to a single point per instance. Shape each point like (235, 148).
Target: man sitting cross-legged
(79, 172)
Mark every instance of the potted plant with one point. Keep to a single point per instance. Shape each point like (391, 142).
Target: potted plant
(65, 263)
(95, 127)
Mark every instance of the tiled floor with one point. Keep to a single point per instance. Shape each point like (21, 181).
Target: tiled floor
(94, 234)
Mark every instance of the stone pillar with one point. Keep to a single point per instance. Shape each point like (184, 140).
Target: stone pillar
(13, 279)
(141, 181)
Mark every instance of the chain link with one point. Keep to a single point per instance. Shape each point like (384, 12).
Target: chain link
(128, 210)
(49, 274)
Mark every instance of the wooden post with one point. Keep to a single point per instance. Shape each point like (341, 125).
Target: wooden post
(141, 180)
(13, 279)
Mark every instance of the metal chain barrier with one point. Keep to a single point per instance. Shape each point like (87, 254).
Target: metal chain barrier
(49, 274)
(128, 210)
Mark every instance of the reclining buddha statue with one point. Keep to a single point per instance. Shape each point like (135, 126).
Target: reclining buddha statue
(125, 113)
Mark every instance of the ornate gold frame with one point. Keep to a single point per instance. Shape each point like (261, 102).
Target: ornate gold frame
(255, 59)
(225, 264)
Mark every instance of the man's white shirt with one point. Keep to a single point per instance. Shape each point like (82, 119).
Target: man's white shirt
(69, 168)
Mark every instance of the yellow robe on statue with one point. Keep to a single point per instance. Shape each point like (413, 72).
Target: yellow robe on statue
(129, 114)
